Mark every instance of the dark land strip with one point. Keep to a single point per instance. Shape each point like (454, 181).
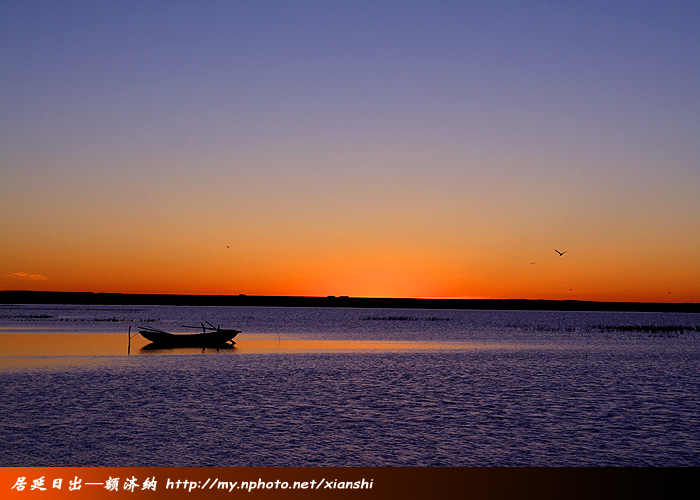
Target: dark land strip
(92, 298)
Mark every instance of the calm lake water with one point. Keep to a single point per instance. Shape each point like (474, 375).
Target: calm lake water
(350, 387)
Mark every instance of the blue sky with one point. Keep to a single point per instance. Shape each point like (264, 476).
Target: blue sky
(438, 132)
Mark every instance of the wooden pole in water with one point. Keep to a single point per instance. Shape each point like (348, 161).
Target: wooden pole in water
(129, 350)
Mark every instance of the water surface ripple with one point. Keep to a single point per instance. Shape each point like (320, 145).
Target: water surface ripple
(556, 398)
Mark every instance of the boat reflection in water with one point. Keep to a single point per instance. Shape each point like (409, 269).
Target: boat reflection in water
(211, 336)
(153, 348)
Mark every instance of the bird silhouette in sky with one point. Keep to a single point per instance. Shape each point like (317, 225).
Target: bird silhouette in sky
(560, 253)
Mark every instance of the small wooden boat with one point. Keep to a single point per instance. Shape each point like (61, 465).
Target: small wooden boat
(212, 336)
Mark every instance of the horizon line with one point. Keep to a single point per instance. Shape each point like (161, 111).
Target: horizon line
(342, 297)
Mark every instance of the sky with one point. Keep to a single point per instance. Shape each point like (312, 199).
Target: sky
(378, 149)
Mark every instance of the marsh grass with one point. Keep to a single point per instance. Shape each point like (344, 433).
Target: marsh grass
(403, 318)
(670, 331)
(661, 331)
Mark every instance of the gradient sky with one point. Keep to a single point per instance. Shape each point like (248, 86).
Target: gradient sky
(411, 149)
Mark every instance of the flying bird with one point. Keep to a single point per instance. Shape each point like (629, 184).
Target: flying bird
(560, 253)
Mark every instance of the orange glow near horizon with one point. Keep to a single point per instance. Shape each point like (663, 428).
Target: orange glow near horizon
(418, 272)
(320, 257)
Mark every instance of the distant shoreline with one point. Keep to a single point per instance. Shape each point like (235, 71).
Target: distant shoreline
(92, 298)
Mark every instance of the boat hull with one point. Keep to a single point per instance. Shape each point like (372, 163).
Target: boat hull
(217, 338)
